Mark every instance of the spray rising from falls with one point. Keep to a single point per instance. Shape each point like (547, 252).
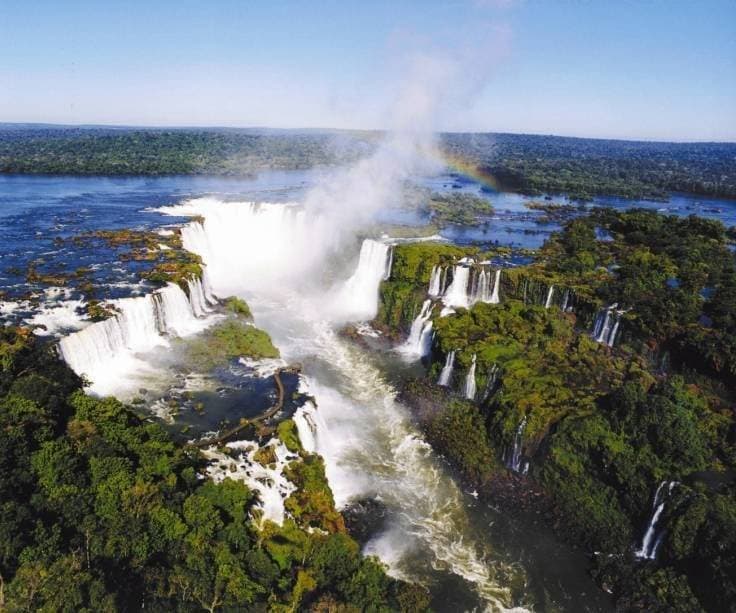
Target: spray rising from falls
(109, 352)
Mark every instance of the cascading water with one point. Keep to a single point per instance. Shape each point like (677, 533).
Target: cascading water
(457, 292)
(550, 293)
(606, 325)
(514, 459)
(389, 264)
(470, 381)
(419, 341)
(496, 286)
(107, 352)
(358, 297)
(435, 282)
(446, 373)
(370, 447)
(490, 383)
(565, 300)
(653, 535)
(481, 291)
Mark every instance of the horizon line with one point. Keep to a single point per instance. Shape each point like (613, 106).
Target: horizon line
(143, 127)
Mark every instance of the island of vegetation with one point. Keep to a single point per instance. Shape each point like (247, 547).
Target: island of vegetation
(599, 391)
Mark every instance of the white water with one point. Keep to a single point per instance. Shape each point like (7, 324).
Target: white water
(447, 370)
(606, 325)
(514, 459)
(652, 538)
(435, 282)
(496, 285)
(419, 342)
(370, 446)
(109, 352)
(470, 381)
(550, 293)
(269, 482)
(357, 299)
(457, 292)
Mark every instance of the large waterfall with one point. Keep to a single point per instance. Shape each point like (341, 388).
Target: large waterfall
(370, 447)
(435, 282)
(495, 299)
(654, 534)
(108, 352)
(420, 336)
(470, 381)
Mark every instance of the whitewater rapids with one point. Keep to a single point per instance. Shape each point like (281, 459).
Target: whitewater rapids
(370, 447)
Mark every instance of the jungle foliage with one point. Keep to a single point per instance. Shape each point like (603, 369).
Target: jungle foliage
(601, 427)
(102, 511)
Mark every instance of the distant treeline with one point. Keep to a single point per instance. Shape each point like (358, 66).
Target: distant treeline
(581, 168)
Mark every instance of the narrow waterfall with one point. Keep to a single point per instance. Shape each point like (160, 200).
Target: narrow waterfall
(496, 285)
(435, 282)
(457, 293)
(447, 370)
(389, 264)
(470, 381)
(416, 344)
(358, 297)
(490, 387)
(550, 293)
(654, 534)
(105, 351)
(514, 459)
(565, 300)
(606, 325)
(481, 287)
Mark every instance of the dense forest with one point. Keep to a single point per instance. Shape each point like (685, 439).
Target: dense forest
(101, 510)
(581, 168)
(605, 380)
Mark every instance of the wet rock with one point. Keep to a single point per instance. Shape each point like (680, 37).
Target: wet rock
(364, 518)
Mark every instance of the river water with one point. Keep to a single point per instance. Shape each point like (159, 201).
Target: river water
(302, 286)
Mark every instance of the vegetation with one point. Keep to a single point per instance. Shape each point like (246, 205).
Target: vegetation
(583, 167)
(458, 208)
(578, 167)
(228, 340)
(601, 428)
(101, 511)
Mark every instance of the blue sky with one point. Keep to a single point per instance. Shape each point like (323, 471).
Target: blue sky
(652, 69)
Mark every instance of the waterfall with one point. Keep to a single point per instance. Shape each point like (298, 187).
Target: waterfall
(435, 282)
(470, 381)
(481, 291)
(457, 293)
(491, 383)
(496, 284)
(653, 536)
(606, 325)
(105, 351)
(417, 344)
(389, 264)
(514, 460)
(550, 293)
(565, 300)
(358, 297)
(197, 298)
(447, 370)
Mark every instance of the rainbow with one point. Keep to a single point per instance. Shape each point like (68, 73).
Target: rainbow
(471, 169)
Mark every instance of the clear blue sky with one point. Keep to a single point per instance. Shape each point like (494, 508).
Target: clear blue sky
(654, 69)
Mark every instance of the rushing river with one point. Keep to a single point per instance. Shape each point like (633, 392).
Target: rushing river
(303, 282)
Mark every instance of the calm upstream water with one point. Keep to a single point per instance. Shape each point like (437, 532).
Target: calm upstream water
(471, 556)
